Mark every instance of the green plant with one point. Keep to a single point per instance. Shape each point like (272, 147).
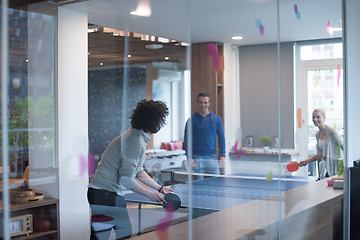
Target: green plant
(32, 114)
(265, 140)
(340, 163)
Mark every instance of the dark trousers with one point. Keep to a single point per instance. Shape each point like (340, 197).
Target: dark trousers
(112, 205)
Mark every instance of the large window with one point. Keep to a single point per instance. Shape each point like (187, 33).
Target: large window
(320, 85)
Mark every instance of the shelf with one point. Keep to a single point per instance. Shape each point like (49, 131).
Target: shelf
(46, 209)
(23, 206)
(35, 235)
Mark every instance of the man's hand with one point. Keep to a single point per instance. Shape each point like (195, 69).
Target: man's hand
(222, 161)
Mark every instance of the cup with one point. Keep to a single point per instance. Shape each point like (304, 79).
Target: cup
(275, 142)
(250, 142)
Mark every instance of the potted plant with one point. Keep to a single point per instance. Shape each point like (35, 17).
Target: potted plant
(266, 141)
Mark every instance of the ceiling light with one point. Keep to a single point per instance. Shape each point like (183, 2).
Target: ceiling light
(154, 46)
(101, 64)
(166, 58)
(237, 38)
(129, 55)
(143, 9)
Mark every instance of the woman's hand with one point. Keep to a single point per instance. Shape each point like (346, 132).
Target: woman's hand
(166, 190)
(155, 196)
(303, 163)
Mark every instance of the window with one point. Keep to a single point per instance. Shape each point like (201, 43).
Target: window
(319, 85)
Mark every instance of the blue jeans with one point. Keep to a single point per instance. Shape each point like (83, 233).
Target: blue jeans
(112, 205)
(206, 164)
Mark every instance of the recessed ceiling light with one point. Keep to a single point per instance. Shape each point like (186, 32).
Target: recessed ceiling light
(237, 38)
(166, 58)
(143, 9)
(154, 46)
(337, 29)
(101, 64)
(129, 55)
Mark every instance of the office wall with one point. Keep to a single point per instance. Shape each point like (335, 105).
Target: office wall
(107, 116)
(232, 122)
(259, 93)
(72, 139)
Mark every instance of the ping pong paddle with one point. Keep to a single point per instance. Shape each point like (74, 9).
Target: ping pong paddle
(173, 201)
(292, 166)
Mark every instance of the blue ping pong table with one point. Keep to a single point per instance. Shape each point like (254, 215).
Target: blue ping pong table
(223, 191)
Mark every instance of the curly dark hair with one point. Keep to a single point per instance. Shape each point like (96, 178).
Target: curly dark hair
(149, 116)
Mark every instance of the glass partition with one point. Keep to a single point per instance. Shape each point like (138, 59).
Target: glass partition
(30, 103)
(241, 146)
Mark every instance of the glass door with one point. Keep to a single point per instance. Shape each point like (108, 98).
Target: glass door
(319, 85)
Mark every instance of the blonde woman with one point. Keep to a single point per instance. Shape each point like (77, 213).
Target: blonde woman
(328, 146)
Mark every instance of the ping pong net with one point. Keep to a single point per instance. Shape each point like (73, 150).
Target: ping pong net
(178, 176)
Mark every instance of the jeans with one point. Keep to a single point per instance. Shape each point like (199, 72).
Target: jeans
(112, 205)
(206, 164)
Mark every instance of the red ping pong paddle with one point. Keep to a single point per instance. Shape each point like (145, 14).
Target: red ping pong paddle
(292, 166)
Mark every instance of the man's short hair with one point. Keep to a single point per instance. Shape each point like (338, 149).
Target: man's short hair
(203, 95)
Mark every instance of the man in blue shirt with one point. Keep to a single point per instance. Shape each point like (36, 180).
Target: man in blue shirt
(205, 127)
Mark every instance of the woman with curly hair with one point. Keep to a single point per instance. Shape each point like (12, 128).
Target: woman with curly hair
(121, 166)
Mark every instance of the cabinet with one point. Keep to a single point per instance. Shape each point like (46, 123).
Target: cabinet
(205, 78)
(46, 209)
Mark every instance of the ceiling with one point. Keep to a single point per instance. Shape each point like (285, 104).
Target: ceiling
(214, 20)
(107, 49)
(205, 21)
(200, 21)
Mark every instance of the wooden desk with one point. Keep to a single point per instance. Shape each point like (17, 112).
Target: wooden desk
(311, 211)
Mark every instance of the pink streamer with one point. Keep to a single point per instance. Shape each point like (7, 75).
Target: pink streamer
(328, 27)
(235, 146)
(262, 30)
(239, 153)
(165, 222)
(83, 166)
(213, 51)
(91, 164)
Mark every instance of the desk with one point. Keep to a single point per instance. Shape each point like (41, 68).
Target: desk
(304, 214)
(257, 161)
(223, 192)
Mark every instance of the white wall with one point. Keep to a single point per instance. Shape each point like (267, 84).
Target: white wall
(168, 88)
(232, 120)
(259, 92)
(73, 124)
